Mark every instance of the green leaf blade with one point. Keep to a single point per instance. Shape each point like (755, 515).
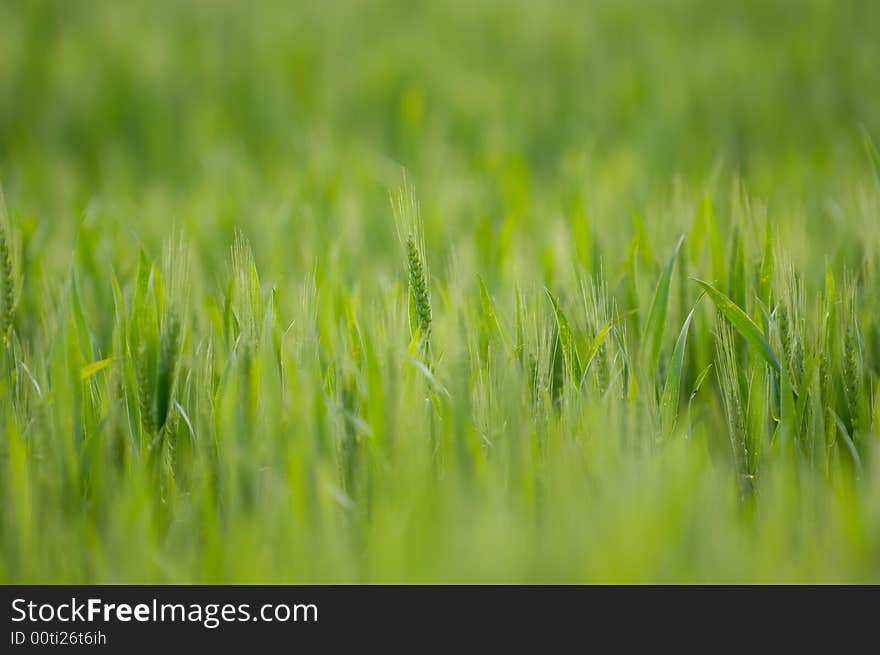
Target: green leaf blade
(742, 324)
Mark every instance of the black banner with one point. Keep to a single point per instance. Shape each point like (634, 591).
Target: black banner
(122, 618)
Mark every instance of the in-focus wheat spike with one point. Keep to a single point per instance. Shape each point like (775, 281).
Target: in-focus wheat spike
(418, 282)
(6, 313)
(7, 277)
(406, 213)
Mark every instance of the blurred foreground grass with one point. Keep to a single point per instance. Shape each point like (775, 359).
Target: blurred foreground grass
(215, 368)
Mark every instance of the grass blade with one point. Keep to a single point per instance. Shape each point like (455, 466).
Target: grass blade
(656, 322)
(847, 441)
(94, 367)
(671, 390)
(742, 324)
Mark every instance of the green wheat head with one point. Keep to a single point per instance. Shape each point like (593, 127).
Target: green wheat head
(406, 212)
(418, 284)
(7, 277)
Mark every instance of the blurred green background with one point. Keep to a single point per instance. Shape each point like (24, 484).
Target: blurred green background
(273, 116)
(160, 97)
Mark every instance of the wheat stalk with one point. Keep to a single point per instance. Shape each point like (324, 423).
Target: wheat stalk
(727, 367)
(852, 370)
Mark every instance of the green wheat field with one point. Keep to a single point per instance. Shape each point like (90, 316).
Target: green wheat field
(440, 292)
